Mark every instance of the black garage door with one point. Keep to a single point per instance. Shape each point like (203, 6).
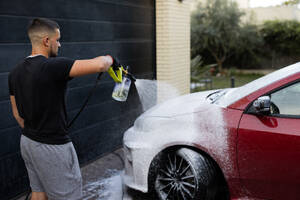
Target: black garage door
(89, 28)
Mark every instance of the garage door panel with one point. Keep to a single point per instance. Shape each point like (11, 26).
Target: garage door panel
(6, 118)
(11, 54)
(14, 161)
(92, 136)
(4, 94)
(10, 141)
(76, 96)
(71, 31)
(95, 114)
(144, 3)
(100, 140)
(134, 50)
(141, 66)
(133, 15)
(15, 29)
(87, 50)
(108, 135)
(12, 179)
(124, 31)
(76, 9)
(87, 31)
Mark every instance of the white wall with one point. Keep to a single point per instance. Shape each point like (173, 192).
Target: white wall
(172, 47)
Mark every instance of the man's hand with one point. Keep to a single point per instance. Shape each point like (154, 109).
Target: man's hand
(19, 119)
(116, 63)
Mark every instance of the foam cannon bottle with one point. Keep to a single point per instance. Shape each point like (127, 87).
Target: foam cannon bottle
(123, 80)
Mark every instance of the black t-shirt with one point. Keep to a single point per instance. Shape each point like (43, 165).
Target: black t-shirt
(39, 85)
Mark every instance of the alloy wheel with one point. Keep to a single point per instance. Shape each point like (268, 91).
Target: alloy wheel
(176, 179)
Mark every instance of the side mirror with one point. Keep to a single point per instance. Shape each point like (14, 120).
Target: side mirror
(262, 104)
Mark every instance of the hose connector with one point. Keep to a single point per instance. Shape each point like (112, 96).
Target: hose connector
(131, 76)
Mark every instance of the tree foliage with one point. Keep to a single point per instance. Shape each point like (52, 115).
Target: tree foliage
(282, 36)
(198, 68)
(216, 30)
(250, 48)
(291, 2)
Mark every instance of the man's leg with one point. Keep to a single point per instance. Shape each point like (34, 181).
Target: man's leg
(55, 170)
(58, 169)
(38, 196)
(35, 183)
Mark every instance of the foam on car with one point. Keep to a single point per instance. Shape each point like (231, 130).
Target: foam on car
(189, 120)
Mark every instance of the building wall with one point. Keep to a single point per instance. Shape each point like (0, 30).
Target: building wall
(261, 14)
(243, 3)
(172, 47)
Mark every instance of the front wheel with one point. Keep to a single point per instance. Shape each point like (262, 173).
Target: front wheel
(184, 174)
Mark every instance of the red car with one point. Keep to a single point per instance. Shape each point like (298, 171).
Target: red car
(240, 143)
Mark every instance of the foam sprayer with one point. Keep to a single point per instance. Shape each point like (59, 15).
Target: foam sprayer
(122, 79)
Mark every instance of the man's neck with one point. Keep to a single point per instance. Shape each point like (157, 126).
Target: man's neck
(38, 51)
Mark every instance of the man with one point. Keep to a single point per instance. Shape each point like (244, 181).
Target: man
(37, 87)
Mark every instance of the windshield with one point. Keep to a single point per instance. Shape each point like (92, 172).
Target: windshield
(233, 95)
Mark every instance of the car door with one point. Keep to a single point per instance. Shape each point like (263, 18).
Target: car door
(269, 147)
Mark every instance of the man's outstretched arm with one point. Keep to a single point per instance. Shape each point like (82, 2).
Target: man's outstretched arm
(91, 66)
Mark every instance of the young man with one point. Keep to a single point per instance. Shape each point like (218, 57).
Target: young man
(37, 87)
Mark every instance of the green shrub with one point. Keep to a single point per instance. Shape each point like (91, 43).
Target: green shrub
(282, 37)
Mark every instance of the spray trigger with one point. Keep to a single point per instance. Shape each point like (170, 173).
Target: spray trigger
(116, 75)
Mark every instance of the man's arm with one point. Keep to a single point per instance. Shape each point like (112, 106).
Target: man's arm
(91, 66)
(19, 119)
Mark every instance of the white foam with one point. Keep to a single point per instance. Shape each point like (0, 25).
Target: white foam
(147, 90)
(105, 189)
(150, 91)
(187, 120)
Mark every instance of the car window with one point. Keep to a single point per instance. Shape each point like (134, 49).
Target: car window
(286, 101)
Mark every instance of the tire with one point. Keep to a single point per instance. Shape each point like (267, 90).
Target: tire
(184, 174)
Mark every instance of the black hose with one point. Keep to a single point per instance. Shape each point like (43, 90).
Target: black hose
(28, 194)
(86, 101)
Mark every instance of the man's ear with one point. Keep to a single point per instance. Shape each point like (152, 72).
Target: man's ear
(46, 41)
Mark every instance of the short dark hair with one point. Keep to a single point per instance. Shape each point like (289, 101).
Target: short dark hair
(41, 25)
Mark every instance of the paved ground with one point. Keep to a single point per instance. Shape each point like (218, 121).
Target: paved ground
(102, 180)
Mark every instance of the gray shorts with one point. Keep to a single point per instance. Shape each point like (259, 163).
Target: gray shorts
(53, 169)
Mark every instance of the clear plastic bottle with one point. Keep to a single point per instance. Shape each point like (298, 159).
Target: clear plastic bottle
(121, 90)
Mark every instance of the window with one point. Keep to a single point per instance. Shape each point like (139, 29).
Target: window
(286, 101)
